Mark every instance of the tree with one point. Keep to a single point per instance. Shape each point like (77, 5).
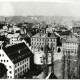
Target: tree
(63, 65)
(68, 65)
(78, 61)
(52, 57)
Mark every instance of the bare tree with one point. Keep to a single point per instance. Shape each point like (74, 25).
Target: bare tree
(78, 61)
(63, 65)
(68, 65)
(52, 57)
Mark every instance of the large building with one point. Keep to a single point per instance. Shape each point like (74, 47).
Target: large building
(14, 38)
(17, 59)
(71, 45)
(39, 57)
(41, 39)
(76, 27)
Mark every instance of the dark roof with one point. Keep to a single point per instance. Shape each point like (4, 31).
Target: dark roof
(3, 70)
(44, 35)
(52, 35)
(3, 38)
(66, 32)
(24, 36)
(17, 52)
(52, 76)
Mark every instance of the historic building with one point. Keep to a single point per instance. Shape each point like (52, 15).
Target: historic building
(71, 45)
(41, 39)
(17, 59)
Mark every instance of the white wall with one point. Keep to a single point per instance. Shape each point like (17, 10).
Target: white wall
(9, 63)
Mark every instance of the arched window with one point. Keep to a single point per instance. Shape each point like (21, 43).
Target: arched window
(59, 50)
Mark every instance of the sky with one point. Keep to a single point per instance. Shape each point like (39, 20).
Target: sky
(40, 8)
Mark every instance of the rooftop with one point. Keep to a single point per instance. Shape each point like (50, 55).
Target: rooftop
(17, 52)
(45, 35)
(72, 39)
(24, 36)
(65, 32)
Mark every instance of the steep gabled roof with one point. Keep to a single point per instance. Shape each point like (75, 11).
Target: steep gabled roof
(17, 52)
(65, 32)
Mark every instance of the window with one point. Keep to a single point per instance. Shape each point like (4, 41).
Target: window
(32, 42)
(4, 60)
(15, 76)
(25, 65)
(10, 72)
(18, 69)
(7, 60)
(10, 76)
(18, 64)
(25, 60)
(1, 60)
(7, 76)
(15, 65)
(9, 66)
(15, 71)
(25, 70)
(0, 54)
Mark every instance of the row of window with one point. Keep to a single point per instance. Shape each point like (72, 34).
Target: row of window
(71, 43)
(71, 47)
(21, 62)
(4, 60)
(43, 39)
(71, 52)
(21, 73)
(38, 46)
(22, 67)
(9, 76)
(38, 43)
(1, 55)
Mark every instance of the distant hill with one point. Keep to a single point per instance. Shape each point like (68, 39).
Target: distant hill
(48, 19)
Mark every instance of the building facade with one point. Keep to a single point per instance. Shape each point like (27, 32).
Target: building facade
(17, 60)
(71, 45)
(40, 40)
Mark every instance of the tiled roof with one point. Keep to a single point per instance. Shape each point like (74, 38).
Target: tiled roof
(17, 52)
(3, 38)
(45, 35)
(24, 36)
(65, 33)
(72, 40)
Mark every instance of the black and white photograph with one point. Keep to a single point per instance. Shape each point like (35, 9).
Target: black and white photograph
(39, 40)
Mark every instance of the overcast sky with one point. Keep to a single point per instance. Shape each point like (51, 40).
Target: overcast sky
(40, 8)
